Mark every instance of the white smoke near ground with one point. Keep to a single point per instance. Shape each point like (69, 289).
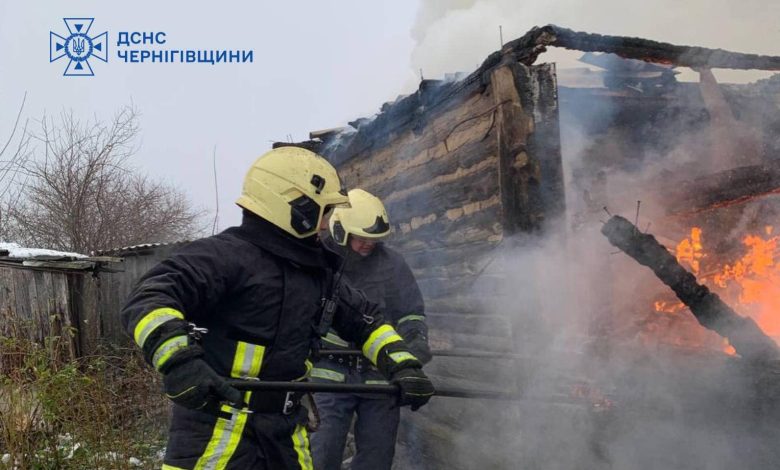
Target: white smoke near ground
(595, 402)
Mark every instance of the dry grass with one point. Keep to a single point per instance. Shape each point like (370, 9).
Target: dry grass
(94, 412)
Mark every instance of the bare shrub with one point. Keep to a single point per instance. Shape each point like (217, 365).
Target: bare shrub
(83, 195)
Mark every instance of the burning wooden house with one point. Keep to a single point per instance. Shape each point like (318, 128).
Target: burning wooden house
(482, 173)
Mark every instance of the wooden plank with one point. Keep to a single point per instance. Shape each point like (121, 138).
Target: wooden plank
(458, 269)
(76, 265)
(444, 192)
(539, 92)
(530, 165)
(22, 310)
(28, 294)
(64, 314)
(472, 341)
(516, 170)
(458, 303)
(731, 187)
(477, 255)
(449, 285)
(422, 171)
(487, 324)
(411, 114)
(482, 226)
(441, 133)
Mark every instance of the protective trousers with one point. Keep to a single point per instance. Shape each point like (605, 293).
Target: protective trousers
(375, 431)
(237, 440)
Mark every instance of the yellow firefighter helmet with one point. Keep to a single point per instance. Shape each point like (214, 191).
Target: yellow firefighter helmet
(366, 217)
(292, 187)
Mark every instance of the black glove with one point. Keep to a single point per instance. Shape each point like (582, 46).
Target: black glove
(194, 384)
(418, 345)
(415, 387)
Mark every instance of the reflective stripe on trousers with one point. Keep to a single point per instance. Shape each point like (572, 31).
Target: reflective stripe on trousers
(327, 374)
(224, 439)
(301, 444)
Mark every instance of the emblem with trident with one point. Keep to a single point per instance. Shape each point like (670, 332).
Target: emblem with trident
(78, 46)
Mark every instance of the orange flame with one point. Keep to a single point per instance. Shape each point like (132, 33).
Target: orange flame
(690, 251)
(751, 284)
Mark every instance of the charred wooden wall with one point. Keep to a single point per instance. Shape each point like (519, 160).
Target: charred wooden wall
(467, 167)
(463, 169)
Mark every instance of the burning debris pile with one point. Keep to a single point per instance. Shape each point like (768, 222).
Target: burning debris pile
(743, 333)
(750, 280)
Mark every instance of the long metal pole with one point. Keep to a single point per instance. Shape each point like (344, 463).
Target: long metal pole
(261, 385)
(389, 390)
(435, 352)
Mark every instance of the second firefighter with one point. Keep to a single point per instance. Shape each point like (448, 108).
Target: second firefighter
(356, 235)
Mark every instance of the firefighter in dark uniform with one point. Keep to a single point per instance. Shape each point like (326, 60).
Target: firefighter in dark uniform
(246, 303)
(355, 234)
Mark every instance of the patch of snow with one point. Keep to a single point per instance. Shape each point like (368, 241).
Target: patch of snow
(134, 462)
(16, 251)
(72, 450)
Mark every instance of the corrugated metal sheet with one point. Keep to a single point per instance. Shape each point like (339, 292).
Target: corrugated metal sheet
(135, 250)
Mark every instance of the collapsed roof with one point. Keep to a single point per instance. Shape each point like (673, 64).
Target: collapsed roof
(405, 111)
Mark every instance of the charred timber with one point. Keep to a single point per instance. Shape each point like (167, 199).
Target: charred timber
(711, 312)
(313, 145)
(536, 41)
(727, 188)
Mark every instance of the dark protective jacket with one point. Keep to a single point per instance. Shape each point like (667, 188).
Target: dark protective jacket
(258, 292)
(386, 279)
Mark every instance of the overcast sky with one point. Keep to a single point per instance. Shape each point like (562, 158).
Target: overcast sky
(317, 64)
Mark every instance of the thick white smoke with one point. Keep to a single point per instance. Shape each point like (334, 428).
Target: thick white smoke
(458, 35)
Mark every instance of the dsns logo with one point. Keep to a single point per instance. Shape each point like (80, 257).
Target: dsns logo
(79, 47)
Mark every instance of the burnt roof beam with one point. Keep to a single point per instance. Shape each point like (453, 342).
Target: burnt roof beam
(533, 43)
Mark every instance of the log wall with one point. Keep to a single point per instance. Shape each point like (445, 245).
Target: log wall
(483, 165)
(464, 170)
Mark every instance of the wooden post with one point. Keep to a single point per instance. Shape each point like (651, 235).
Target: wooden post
(529, 168)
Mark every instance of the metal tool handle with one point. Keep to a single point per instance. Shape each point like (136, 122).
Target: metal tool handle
(435, 352)
(389, 390)
(261, 385)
